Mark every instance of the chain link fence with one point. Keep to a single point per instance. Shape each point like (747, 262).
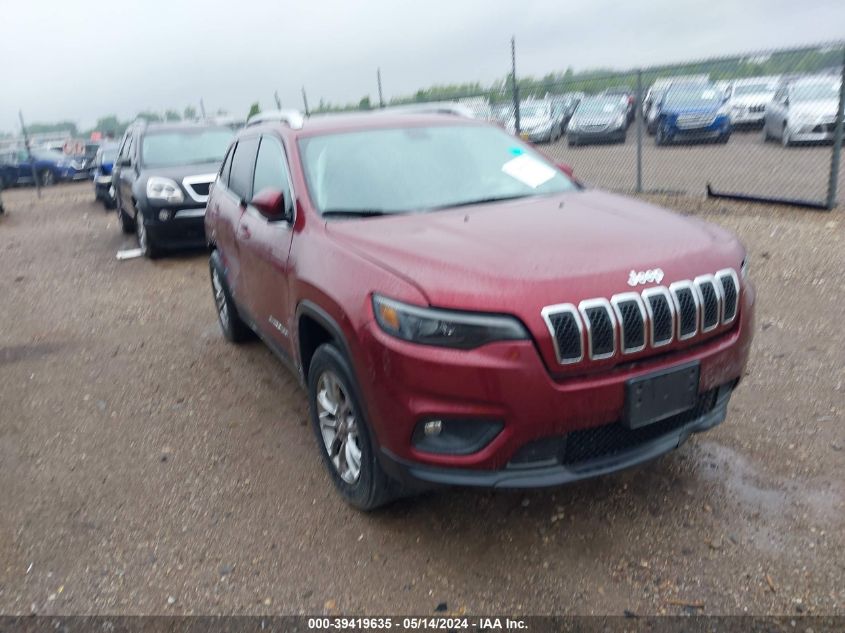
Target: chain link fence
(764, 126)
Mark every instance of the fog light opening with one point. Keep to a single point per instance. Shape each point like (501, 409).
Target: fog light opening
(164, 215)
(433, 427)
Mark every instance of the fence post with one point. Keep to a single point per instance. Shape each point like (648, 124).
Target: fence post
(305, 101)
(515, 87)
(380, 96)
(837, 142)
(639, 106)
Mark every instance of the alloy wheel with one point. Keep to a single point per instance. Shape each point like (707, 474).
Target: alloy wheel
(141, 233)
(220, 299)
(339, 426)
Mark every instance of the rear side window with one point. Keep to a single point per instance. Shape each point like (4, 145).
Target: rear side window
(226, 168)
(271, 170)
(243, 162)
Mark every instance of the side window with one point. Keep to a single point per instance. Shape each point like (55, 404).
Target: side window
(226, 167)
(243, 162)
(271, 170)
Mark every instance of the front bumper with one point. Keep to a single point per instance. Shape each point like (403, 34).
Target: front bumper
(587, 136)
(536, 135)
(185, 227)
(645, 445)
(719, 128)
(508, 383)
(747, 117)
(813, 132)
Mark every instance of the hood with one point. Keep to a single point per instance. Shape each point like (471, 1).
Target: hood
(813, 109)
(519, 256)
(599, 118)
(534, 121)
(178, 172)
(758, 98)
(690, 110)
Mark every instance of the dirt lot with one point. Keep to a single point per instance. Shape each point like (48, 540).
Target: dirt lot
(146, 466)
(745, 165)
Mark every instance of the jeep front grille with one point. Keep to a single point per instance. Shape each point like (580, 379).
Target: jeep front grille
(630, 322)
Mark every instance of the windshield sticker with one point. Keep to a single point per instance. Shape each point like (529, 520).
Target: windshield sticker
(516, 151)
(529, 171)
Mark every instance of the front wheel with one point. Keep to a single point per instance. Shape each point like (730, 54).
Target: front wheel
(145, 243)
(343, 435)
(46, 178)
(786, 136)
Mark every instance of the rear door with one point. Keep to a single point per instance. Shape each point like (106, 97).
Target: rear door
(265, 246)
(231, 209)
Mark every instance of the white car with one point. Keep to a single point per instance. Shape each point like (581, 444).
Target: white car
(803, 110)
(749, 98)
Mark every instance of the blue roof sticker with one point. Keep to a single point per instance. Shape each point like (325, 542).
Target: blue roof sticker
(516, 151)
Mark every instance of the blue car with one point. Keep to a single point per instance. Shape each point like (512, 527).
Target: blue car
(48, 166)
(102, 174)
(693, 112)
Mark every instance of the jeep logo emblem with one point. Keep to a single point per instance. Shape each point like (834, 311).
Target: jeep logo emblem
(654, 275)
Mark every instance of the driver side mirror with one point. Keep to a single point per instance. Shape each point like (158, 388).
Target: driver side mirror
(271, 204)
(124, 162)
(566, 169)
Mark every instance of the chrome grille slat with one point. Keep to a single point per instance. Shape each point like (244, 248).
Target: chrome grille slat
(653, 318)
(600, 326)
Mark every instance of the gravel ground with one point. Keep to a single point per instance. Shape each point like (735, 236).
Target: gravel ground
(146, 466)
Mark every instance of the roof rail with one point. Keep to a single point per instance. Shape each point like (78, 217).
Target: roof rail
(438, 107)
(293, 118)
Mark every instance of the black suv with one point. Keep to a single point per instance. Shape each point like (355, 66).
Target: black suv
(162, 177)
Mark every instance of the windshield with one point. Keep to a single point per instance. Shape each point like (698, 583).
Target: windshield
(185, 147)
(533, 110)
(47, 154)
(693, 96)
(599, 106)
(816, 91)
(417, 169)
(753, 89)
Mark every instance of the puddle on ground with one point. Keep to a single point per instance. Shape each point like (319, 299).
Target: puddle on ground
(29, 351)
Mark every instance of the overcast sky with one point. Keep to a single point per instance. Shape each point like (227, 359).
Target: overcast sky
(74, 59)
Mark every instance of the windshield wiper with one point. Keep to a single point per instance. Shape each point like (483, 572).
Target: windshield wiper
(470, 203)
(361, 213)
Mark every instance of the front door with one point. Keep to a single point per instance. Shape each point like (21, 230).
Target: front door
(265, 247)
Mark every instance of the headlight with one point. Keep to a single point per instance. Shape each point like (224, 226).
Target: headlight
(444, 328)
(743, 268)
(164, 189)
(724, 110)
(620, 121)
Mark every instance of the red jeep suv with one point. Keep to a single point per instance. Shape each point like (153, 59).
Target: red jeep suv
(464, 312)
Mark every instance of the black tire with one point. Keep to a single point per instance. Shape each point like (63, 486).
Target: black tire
(127, 224)
(725, 138)
(231, 324)
(46, 178)
(149, 248)
(660, 136)
(372, 488)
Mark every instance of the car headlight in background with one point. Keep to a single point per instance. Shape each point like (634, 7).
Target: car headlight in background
(743, 268)
(164, 189)
(620, 121)
(444, 328)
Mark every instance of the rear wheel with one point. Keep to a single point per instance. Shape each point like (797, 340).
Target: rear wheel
(342, 432)
(233, 327)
